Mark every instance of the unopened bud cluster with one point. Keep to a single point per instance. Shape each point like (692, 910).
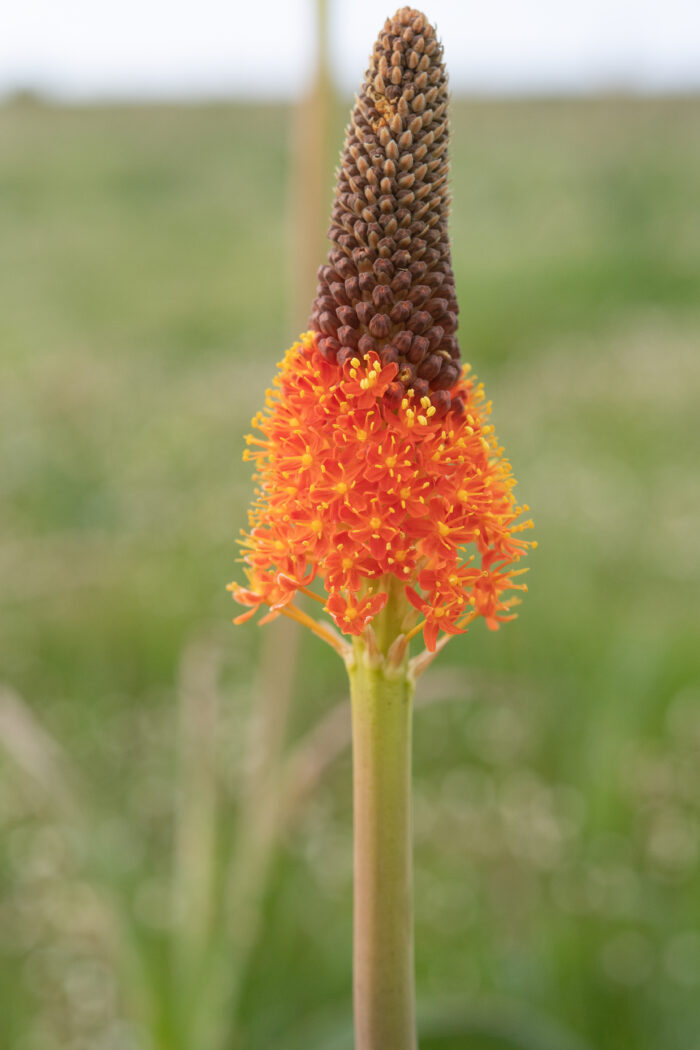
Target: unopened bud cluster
(388, 285)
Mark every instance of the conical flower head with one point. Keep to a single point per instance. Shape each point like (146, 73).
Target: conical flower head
(378, 473)
(388, 286)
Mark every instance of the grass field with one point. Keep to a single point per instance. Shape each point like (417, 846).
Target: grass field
(144, 262)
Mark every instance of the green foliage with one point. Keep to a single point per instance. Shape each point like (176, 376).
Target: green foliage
(144, 259)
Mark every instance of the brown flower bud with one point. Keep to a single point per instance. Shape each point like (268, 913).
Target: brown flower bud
(388, 284)
(430, 369)
(329, 348)
(346, 353)
(380, 326)
(403, 341)
(441, 401)
(347, 336)
(419, 349)
(394, 394)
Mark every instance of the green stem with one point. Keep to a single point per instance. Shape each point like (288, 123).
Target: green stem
(383, 919)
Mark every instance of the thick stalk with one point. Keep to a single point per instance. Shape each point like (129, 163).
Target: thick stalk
(383, 916)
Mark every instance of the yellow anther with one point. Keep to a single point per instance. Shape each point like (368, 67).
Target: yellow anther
(443, 529)
(425, 402)
(355, 362)
(431, 411)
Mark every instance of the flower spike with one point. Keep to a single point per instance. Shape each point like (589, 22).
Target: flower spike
(379, 475)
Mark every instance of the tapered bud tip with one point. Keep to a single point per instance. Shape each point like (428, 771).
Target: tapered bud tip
(388, 285)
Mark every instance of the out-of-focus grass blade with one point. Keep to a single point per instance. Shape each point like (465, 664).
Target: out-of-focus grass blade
(36, 752)
(195, 814)
(41, 758)
(196, 811)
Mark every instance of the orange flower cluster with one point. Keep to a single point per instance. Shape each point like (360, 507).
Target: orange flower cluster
(355, 488)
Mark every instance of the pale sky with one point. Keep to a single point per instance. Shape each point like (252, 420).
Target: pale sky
(84, 49)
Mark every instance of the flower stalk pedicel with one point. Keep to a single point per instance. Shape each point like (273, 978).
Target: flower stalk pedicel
(381, 483)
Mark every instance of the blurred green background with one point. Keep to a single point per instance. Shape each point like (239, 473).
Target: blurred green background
(147, 756)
